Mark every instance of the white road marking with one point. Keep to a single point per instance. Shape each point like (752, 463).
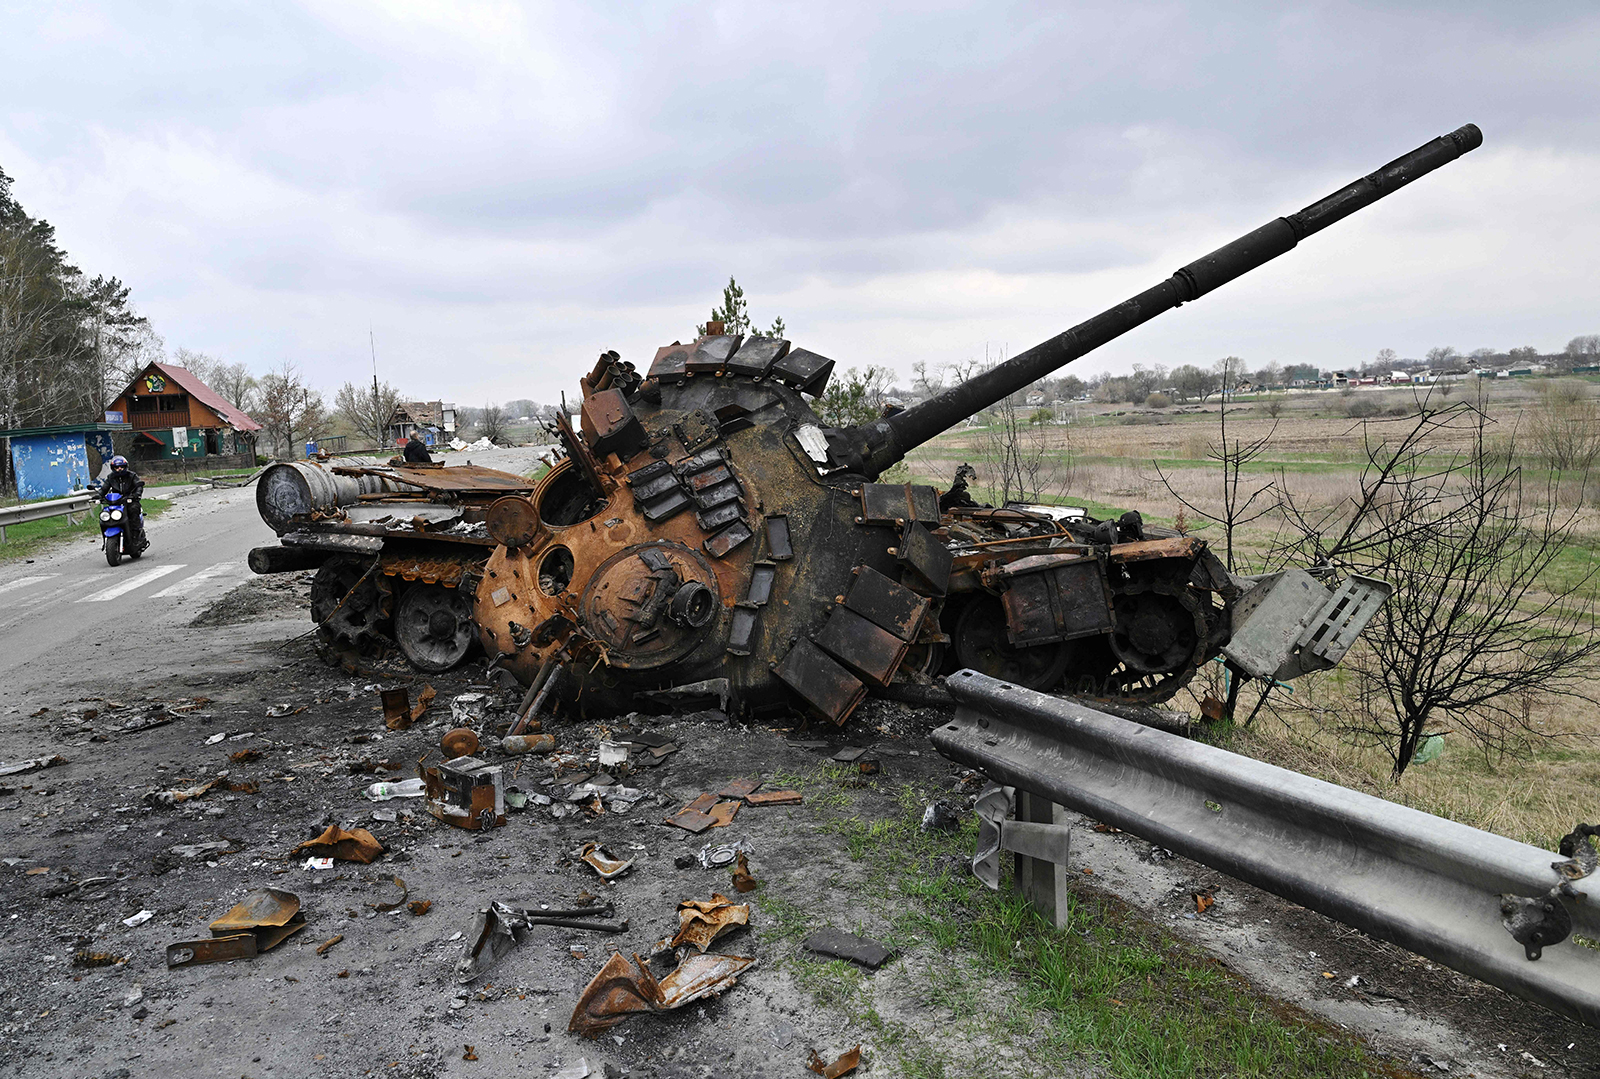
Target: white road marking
(195, 580)
(23, 582)
(155, 573)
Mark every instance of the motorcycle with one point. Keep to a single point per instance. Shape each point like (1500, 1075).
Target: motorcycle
(122, 527)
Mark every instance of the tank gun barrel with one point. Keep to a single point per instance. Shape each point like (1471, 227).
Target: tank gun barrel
(886, 441)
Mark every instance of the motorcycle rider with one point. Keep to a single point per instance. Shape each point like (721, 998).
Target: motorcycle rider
(126, 482)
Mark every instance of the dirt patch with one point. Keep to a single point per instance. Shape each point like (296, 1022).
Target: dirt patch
(276, 595)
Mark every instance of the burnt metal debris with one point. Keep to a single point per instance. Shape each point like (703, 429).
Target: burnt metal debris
(705, 527)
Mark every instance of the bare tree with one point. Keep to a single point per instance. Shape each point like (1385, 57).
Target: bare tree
(491, 422)
(1565, 426)
(1242, 501)
(1196, 382)
(236, 384)
(1472, 626)
(290, 411)
(368, 409)
(232, 380)
(1027, 465)
(1583, 349)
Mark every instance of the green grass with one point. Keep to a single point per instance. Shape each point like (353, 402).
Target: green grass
(1110, 991)
(25, 540)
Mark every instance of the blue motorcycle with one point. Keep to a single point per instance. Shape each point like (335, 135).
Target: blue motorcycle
(122, 527)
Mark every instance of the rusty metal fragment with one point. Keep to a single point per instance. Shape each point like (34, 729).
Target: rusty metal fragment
(397, 708)
(384, 908)
(466, 792)
(194, 953)
(602, 862)
(180, 795)
(740, 788)
(844, 1065)
(775, 798)
(701, 921)
(696, 816)
(263, 919)
(357, 845)
(722, 813)
(460, 742)
(743, 881)
(623, 988)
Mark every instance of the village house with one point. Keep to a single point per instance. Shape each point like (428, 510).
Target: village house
(434, 421)
(175, 417)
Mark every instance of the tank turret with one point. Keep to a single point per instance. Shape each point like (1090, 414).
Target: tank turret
(706, 533)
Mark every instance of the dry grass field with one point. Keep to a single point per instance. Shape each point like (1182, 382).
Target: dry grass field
(1114, 458)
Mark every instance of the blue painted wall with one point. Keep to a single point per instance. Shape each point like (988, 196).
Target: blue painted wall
(49, 466)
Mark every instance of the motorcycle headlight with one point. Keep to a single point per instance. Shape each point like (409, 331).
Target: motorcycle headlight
(105, 516)
(116, 515)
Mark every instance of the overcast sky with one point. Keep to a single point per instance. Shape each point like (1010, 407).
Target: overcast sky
(502, 191)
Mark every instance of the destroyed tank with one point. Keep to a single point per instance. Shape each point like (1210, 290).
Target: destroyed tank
(398, 548)
(706, 535)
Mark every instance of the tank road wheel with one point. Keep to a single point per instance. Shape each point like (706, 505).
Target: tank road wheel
(1160, 639)
(922, 662)
(981, 644)
(433, 626)
(354, 618)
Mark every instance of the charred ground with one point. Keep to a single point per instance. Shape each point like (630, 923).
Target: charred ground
(1140, 984)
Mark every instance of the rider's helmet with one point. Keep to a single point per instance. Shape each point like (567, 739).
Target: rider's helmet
(118, 463)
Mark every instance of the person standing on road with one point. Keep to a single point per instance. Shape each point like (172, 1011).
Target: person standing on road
(417, 450)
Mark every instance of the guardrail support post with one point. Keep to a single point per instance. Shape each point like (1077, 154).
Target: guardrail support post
(1040, 839)
(1044, 883)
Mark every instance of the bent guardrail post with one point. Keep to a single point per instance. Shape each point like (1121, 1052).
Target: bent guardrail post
(1430, 885)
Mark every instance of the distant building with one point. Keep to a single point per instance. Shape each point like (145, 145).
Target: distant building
(175, 415)
(435, 421)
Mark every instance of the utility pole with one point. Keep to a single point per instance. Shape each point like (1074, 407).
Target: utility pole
(378, 422)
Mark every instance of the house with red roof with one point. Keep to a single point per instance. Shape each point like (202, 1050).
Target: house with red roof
(175, 415)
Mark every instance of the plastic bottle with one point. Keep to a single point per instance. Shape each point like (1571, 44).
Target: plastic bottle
(406, 788)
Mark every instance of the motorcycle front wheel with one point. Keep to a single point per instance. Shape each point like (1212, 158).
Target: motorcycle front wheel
(113, 550)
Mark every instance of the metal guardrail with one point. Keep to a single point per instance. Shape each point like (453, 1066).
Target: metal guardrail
(38, 511)
(1430, 885)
